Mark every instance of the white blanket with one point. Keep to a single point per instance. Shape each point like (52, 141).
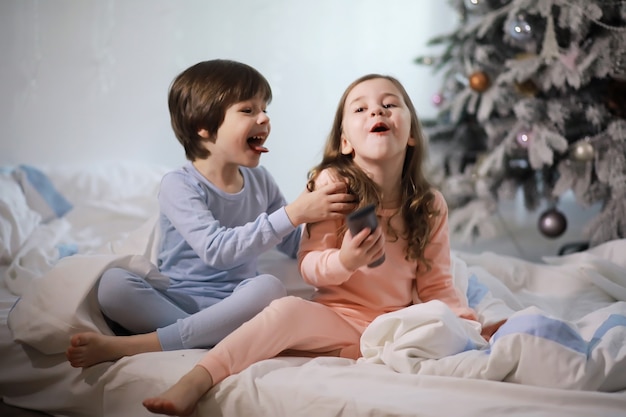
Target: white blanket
(566, 328)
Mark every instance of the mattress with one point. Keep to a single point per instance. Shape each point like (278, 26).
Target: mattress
(569, 360)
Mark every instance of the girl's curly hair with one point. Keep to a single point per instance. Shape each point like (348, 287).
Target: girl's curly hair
(417, 197)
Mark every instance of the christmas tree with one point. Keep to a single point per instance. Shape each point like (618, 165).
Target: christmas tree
(532, 100)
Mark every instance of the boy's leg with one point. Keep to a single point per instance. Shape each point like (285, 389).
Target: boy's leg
(130, 301)
(211, 324)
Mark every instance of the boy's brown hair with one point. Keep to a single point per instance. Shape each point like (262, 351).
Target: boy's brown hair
(200, 95)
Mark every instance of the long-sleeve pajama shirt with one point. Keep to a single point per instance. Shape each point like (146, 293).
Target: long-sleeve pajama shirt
(346, 301)
(210, 243)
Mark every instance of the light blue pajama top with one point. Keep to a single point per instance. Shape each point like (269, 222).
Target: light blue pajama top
(210, 240)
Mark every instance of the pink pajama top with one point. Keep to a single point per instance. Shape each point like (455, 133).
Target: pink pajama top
(366, 293)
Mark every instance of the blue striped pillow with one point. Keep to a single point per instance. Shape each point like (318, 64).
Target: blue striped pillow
(40, 193)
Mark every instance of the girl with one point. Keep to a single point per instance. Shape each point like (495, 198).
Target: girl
(376, 148)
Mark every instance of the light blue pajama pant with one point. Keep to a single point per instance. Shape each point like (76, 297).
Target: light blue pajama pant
(182, 321)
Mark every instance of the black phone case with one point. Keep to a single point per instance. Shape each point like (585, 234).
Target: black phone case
(359, 220)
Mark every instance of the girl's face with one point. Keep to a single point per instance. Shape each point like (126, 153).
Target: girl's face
(376, 123)
(242, 134)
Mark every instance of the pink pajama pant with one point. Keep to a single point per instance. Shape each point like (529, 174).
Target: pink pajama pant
(287, 324)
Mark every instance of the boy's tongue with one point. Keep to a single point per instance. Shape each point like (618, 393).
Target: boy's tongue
(258, 148)
(255, 145)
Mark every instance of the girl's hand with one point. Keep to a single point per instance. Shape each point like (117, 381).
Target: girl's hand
(328, 202)
(362, 249)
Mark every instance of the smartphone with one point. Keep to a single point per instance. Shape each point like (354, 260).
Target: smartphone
(359, 220)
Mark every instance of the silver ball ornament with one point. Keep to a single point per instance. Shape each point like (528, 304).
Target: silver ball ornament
(519, 29)
(552, 223)
(476, 6)
(583, 151)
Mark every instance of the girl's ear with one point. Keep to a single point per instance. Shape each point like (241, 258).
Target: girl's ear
(204, 134)
(411, 141)
(346, 147)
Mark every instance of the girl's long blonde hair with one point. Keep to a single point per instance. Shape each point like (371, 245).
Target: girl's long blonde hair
(416, 208)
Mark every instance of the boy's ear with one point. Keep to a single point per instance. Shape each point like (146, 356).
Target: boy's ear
(204, 134)
(346, 147)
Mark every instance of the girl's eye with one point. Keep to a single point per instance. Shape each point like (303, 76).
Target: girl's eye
(359, 110)
(389, 105)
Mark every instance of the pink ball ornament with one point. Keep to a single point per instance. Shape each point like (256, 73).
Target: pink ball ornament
(523, 138)
(437, 99)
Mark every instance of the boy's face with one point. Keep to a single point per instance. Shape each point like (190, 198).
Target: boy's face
(242, 134)
(376, 123)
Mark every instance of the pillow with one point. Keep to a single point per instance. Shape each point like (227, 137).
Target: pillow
(17, 220)
(40, 193)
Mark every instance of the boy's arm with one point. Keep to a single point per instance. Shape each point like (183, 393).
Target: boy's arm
(318, 257)
(183, 202)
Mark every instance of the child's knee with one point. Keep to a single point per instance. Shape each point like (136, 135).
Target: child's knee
(113, 287)
(273, 287)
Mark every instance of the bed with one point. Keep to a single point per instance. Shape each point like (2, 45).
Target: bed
(562, 352)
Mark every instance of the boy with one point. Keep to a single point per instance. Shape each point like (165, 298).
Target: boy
(218, 213)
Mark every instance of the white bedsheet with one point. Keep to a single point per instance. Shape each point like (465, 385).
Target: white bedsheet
(57, 301)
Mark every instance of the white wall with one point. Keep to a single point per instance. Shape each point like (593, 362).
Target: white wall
(84, 81)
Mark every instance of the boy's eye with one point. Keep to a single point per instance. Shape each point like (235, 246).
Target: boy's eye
(246, 110)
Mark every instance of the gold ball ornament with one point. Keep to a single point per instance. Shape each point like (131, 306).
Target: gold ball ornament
(479, 81)
(527, 88)
(582, 151)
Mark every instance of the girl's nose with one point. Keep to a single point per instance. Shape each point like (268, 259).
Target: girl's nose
(378, 111)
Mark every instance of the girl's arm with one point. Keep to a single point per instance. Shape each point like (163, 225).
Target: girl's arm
(437, 283)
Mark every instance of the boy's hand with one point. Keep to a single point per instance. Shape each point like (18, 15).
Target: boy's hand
(328, 202)
(362, 249)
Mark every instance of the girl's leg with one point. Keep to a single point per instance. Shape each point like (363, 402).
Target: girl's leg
(211, 324)
(287, 323)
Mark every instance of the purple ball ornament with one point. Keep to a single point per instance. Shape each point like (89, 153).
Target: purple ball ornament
(523, 138)
(552, 223)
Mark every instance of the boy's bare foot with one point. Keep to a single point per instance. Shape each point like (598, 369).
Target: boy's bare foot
(90, 348)
(181, 398)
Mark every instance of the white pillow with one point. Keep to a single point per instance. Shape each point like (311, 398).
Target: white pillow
(17, 219)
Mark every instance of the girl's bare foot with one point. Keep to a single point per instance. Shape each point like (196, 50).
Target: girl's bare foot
(181, 398)
(90, 348)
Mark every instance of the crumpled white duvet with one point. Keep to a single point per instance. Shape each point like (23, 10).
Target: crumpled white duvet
(566, 327)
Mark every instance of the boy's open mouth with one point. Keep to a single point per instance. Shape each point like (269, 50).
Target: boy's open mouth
(256, 144)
